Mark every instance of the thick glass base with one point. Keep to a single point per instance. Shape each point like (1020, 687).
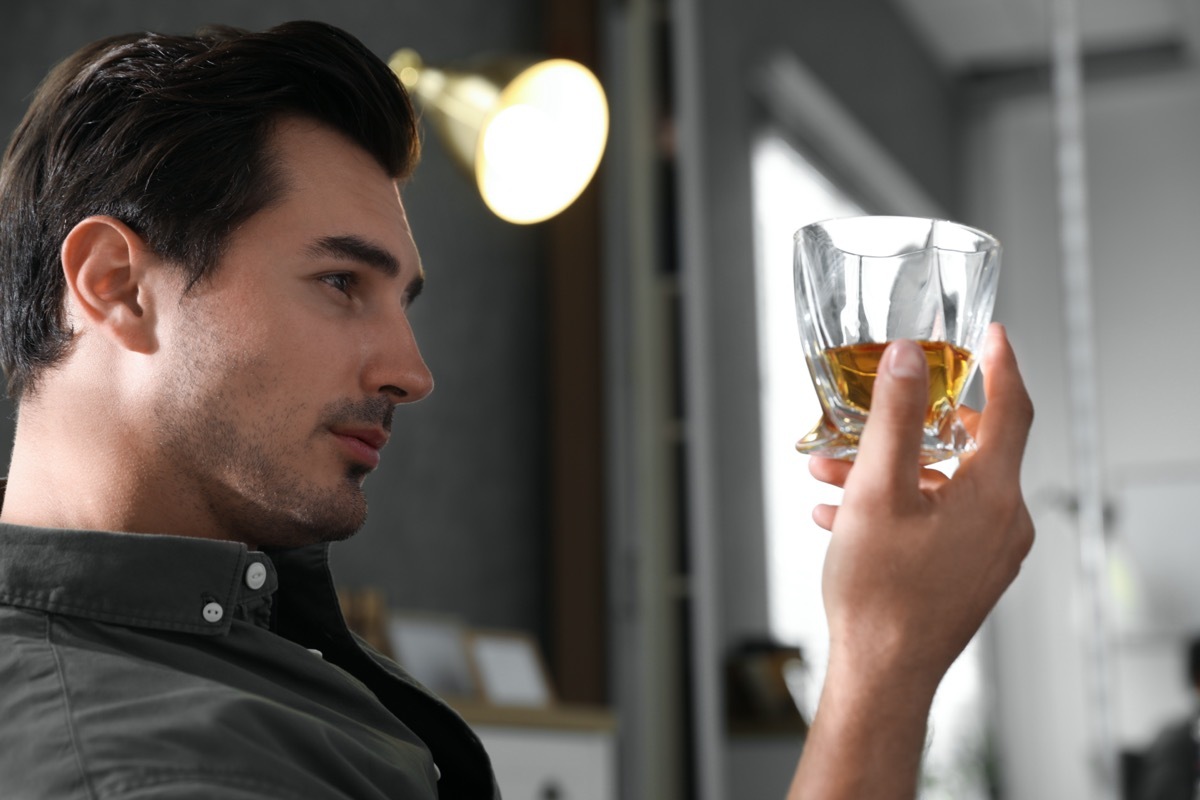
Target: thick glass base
(828, 441)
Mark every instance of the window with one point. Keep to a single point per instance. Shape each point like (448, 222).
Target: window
(789, 193)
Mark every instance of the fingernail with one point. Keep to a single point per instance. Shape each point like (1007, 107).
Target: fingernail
(907, 360)
(997, 334)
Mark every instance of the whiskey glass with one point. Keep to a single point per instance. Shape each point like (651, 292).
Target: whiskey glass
(862, 282)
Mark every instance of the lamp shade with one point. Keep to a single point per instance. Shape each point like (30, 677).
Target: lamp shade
(530, 133)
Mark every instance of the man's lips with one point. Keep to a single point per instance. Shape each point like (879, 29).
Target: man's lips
(363, 444)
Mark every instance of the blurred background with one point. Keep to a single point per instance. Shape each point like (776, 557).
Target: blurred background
(606, 467)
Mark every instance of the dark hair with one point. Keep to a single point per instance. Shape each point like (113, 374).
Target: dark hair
(169, 134)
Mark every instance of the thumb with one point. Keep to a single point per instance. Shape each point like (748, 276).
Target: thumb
(889, 452)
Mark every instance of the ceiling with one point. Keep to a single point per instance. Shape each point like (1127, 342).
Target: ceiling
(979, 34)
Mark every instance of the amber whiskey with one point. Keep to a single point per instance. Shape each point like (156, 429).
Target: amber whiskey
(855, 366)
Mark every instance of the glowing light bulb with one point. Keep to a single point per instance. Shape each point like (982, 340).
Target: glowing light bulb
(541, 148)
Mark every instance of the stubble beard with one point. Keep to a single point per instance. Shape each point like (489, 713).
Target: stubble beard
(249, 491)
(244, 474)
(235, 452)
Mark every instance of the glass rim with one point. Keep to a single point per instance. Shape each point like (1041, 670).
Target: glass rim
(992, 242)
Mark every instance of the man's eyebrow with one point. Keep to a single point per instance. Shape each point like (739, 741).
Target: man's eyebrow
(355, 248)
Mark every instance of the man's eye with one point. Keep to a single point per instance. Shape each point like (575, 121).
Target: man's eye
(342, 281)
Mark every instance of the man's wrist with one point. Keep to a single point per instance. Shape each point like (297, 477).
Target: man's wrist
(867, 712)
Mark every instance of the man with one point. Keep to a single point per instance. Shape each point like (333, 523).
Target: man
(205, 270)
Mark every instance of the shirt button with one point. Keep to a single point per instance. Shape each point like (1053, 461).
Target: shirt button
(256, 575)
(213, 613)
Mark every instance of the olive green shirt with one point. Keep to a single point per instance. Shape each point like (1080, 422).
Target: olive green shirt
(149, 666)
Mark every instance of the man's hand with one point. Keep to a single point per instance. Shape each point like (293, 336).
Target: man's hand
(916, 562)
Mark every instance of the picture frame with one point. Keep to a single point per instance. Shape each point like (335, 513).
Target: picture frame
(509, 669)
(434, 650)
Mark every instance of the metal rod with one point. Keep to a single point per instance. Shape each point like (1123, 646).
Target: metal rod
(690, 66)
(1082, 390)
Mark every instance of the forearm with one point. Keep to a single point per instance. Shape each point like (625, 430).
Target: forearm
(916, 562)
(866, 740)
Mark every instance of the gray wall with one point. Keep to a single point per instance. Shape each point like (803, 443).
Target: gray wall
(1144, 195)
(456, 509)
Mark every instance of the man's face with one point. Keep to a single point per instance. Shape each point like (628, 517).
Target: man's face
(282, 369)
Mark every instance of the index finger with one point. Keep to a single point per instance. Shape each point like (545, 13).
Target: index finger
(1007, 417)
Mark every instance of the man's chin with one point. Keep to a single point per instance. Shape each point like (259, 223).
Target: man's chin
(343, 518)
(330, 516)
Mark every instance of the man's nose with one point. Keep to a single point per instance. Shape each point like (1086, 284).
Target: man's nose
(401, 373)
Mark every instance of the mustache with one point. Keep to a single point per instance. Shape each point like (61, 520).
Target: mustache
(369, 412)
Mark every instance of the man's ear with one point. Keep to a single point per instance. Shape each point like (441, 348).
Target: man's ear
(108, 273)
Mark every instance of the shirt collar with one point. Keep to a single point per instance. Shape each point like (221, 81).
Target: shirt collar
(172, 583)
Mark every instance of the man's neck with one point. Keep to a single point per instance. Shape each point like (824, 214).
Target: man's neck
(90, 477)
